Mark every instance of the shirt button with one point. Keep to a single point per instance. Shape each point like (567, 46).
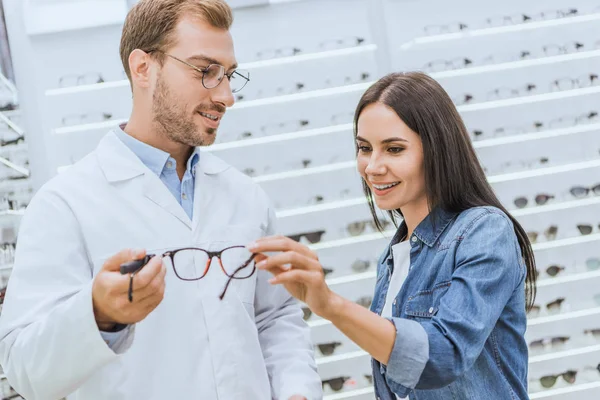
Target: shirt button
(169, 164)
(414, 239)
(431, 310)
(184, 196)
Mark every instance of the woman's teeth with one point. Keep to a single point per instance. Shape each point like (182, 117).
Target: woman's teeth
(383, 187)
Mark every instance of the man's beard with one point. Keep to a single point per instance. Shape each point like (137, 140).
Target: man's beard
(173, 122)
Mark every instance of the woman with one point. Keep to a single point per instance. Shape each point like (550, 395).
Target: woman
(448, 316)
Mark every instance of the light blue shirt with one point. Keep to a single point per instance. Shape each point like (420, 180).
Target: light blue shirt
(165, 167)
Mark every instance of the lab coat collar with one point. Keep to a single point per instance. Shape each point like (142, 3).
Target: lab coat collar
(119, 163)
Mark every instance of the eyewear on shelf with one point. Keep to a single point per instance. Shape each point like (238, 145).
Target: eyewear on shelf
(540, 200)
(340, 43)
(554, 270)
(592, 264)
(278, 52)
(80, 119)
(582, 191)
(327, 349)
(595, 333)
(549, 381)
(312, 237)
(452, 27)
(365, 301)
(548, 342)
(89, 78)
(336, 384)
(445, 65)
(574, 83)
(358, 227)
(586, 229)
(553, 307)
(549, 233)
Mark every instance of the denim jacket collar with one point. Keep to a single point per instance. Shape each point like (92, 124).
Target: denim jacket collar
(430, 229)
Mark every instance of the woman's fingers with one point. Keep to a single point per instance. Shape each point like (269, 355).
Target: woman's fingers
(295, 276)
(280, 243)
(288, 259)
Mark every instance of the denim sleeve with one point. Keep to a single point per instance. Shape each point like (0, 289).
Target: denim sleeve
(488, 269)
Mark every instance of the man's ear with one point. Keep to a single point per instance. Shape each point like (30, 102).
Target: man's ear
(139, 65)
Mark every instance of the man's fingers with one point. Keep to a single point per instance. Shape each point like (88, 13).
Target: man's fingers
(145, 275)
(155, 287)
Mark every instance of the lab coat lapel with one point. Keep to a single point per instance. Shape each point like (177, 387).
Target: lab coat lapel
(119, 164)
(207, 192)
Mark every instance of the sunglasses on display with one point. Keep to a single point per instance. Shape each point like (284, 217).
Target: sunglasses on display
(549, 233)
(307, 313)
(549, 381)
(336, 384)
(553, 307)
(592, 264)
(581, 191)
(327, 349)
(595, 333)
(540, 200)
(553, 342)
(586, 229)
(554, 270)
(358, 227)
(192, 264)
(312, 237)
(365, 301)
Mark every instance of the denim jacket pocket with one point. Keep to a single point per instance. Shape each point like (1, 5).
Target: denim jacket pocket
(425, 304)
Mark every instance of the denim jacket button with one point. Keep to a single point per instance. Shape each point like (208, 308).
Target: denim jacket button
(414, 239)
(395, 301)
(431, 310)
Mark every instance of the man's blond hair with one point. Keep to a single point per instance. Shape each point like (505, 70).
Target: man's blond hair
(150, 24)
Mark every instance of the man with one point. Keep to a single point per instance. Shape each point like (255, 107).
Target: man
(68, 327)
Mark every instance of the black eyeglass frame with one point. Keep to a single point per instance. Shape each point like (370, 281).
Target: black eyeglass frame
(135, 266)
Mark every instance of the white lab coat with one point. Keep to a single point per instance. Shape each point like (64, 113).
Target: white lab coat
(253, 345)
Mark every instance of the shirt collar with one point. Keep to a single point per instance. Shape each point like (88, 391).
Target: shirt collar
(430, 229)
(153, 158)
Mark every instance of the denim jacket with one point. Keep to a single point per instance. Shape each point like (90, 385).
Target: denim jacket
(460, 314)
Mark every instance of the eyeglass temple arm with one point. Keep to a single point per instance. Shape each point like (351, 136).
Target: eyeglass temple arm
(135, 265)
(241, 267)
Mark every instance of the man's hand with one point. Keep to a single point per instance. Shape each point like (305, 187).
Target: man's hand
(109, 290)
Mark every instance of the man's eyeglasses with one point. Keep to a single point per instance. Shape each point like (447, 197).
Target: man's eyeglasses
(213, 75)
(192, 264)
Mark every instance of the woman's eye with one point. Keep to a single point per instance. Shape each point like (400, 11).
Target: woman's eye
(395, 150)
(363, 149)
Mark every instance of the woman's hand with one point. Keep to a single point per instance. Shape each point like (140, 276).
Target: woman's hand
(298, 269)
